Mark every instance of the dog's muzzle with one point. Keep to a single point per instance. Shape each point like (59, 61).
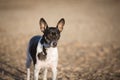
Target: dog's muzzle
(53, 43)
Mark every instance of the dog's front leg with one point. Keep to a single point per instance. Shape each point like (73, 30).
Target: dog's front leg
(54, 71)
(28, 73)
(36, 72)
(45, 74)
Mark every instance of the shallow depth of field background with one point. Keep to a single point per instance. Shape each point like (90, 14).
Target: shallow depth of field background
(89, 48)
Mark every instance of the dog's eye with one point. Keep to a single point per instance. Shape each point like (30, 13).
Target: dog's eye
(49, 36)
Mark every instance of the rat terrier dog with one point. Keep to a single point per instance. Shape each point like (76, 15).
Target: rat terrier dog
(42, 50)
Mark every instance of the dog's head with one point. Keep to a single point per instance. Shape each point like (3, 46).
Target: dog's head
(51, 34)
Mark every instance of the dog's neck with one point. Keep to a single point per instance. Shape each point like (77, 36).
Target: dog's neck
(44, 45)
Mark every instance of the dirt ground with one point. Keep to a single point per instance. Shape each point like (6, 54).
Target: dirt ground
(89, 48)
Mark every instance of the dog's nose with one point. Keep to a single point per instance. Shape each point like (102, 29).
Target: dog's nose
(54, 44)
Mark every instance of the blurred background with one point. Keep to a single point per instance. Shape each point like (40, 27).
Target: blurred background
(89, 44)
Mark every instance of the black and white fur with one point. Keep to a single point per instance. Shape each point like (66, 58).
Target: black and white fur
(42, 50)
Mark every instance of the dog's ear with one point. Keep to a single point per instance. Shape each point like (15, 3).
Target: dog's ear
(43, 24)
(60, 24)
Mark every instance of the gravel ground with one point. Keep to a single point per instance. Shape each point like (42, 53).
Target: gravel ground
(76, 62)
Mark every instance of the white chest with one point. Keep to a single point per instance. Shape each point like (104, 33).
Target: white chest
(51, 57)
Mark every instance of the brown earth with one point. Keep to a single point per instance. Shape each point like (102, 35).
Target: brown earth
(89, 48)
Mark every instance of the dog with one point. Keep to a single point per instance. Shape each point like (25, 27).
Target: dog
(42, 50)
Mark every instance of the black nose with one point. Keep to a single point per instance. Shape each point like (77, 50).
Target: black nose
(54, 44)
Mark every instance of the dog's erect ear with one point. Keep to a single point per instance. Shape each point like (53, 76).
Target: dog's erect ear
(60, 24)
(43, 24)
